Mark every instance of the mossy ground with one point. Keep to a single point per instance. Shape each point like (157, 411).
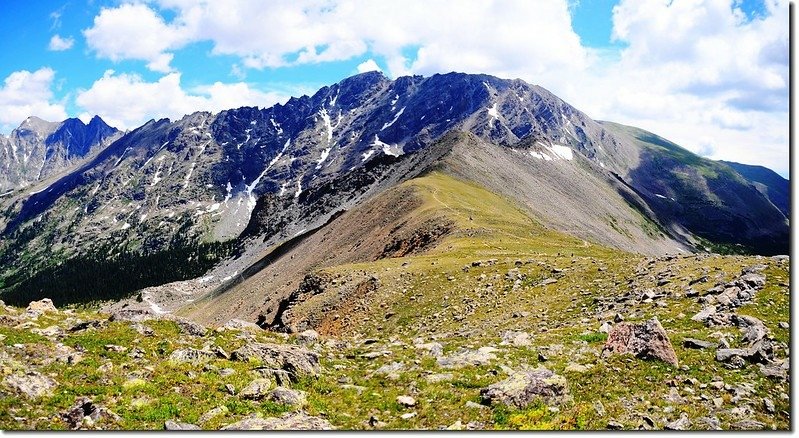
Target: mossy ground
(441, 297)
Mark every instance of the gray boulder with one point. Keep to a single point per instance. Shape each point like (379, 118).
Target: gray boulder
(288, 397)
(191, 355)
(32, 384)
(464, 358)
(190, 328)
(297, 361)
(256, 390)
(289, 421)
(523, 387)
(174, 425)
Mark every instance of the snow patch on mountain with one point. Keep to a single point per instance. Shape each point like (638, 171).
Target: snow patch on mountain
(388, 149)
(397, 116)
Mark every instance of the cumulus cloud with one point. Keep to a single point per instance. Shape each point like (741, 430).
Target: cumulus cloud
(135, 31)
(25, 94)
(127, 100)
(58, 44)
(368, 65)
(699, 73)
(512, 38)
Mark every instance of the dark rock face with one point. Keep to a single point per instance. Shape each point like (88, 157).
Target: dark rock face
(647, 341)
(38, 149)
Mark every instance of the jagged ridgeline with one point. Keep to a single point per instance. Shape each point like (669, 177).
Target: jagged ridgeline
(79, 197)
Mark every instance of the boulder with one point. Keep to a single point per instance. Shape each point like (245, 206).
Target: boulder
(682, 423)
(297, 361)
(308, 337)
(289, 421)
(36, 308)
(32, 384)
(237, 324)
(463, 358)
(523, 387)
(704, 314)
(256, 390)
(288, 397)
(648, 341)
(697, 343)
(190, 328)
(516, 339)
(191, 355)
(282, 377)
(406, 401)
(435, 348)
(82, 409)
(174, 425)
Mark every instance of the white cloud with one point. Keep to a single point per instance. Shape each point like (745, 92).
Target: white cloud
(134, 31)
(511, 38)
(368, 65)
(700, 73)
(59, 44)
(127, 100)
(25, 94)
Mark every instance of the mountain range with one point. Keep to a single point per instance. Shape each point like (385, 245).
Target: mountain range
(220, 198)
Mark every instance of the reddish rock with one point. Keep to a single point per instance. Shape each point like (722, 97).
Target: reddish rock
(647, 340)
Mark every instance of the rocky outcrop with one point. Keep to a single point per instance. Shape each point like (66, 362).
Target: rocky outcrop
(290, 421)
(32, 384)
(523, 387)
(647, 341)
(256, 390)
(191, 355)
(36, 308)
(465, 358)
(297, 361)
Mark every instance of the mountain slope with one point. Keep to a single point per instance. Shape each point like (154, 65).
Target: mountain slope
(256, 177)
(705, 197)
(38, 149)
(768, 182)
(435, 217)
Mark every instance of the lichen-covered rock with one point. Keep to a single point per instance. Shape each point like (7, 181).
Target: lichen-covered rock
(288, 397)
(237, 324)
(32, 384)
(464, 358)
(190, 328)
(523, 387)
(647, 340)
(289, 421)
(190, 355)
(36, 308)
(256, 390)
(174, 425)
(516, 339)
(298, 361)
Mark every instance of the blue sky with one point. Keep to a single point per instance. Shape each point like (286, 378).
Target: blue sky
(711, 75)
